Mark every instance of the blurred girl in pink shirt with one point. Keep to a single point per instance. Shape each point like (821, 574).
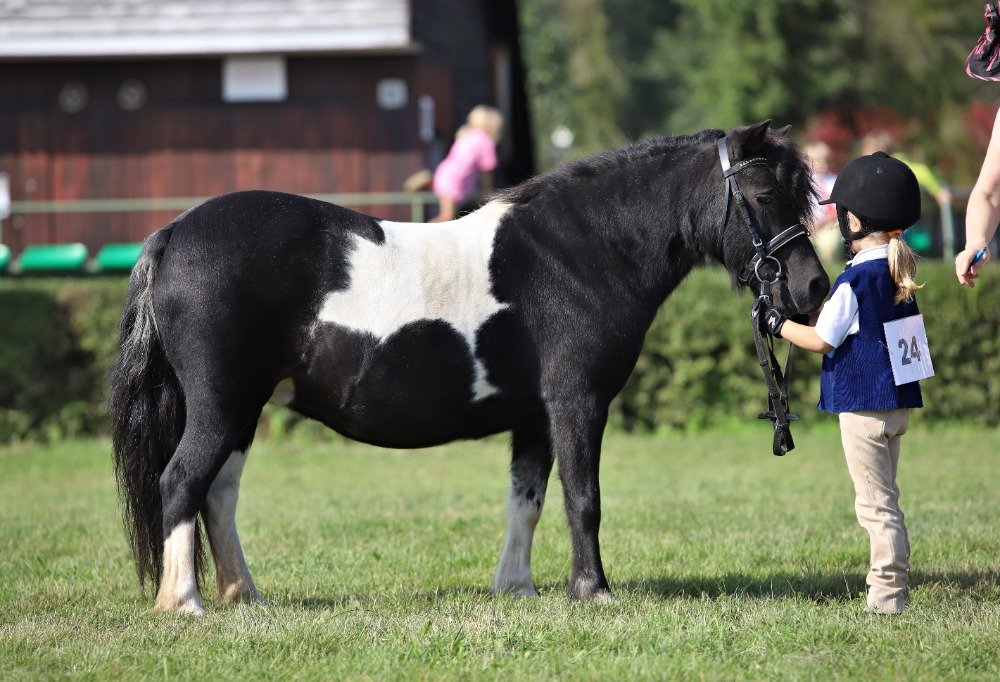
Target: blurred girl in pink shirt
(473, 152)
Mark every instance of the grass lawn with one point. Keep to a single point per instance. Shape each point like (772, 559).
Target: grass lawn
(726, 563)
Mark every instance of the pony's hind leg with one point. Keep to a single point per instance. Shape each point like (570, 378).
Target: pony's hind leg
(529, 477)
(231, 573)
(210, 436)
(179, 585)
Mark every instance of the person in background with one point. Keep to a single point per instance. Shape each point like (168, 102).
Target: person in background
(983, 212)
(421, 180)
(474, 152)
(877, 197)
(881, 141)
(824, 235)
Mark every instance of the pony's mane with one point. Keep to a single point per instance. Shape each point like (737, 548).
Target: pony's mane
(795, 178)
(793, 174)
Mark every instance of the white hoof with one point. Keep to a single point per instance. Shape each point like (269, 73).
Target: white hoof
(522, 587)
(183, 601)
(190, 607)
(240, 593)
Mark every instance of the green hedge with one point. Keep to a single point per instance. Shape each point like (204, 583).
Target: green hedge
(57, 341)
(698, 368)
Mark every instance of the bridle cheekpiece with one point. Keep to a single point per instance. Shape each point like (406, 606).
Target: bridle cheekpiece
(764, 250)
(767, 270)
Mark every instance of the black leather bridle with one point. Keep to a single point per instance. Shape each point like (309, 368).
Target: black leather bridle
(764, 250)
(767, 269)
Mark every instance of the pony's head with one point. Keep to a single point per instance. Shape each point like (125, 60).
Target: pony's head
(777, 192)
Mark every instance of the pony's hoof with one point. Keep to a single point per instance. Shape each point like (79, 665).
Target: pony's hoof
(240, 593)
(516, 590)
(598, 597)
(515, 583)
(190, 607)
(603, 597)
(584, 589)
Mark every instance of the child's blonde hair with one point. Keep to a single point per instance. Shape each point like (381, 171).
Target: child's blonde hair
(488, 119)
(902, 266)
(902, 261)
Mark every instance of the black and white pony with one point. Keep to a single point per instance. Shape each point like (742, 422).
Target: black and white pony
(524, 316)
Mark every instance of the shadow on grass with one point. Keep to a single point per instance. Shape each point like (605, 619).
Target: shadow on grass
(374, 598)
(821, 588)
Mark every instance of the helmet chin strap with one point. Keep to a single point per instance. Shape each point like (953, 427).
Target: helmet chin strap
(845, 228)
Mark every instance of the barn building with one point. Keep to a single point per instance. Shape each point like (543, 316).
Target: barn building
(141, 104)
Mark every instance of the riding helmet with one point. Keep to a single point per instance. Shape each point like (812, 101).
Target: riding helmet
(880, 188)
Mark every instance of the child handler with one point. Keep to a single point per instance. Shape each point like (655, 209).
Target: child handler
(877, 197)
(473, 152)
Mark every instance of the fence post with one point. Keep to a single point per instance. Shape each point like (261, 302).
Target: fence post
(417, 209)
(947, 231)
(4, 201)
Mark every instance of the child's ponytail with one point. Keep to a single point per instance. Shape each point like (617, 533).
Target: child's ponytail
(902, 267)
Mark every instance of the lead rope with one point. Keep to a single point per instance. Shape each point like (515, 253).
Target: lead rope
(777, 385)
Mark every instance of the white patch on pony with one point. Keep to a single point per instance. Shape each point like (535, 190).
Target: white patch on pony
(232, 575)
(179, 589)
(433, 271)
(513, 574)
(481, 387)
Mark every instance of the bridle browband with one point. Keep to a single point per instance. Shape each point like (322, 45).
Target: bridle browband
(774, 377)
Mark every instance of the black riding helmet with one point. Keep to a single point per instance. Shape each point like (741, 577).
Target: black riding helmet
(880, 190)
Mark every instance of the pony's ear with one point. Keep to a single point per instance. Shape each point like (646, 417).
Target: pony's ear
(783, 132)
(748, 140)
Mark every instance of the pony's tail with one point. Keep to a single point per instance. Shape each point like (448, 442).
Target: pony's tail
(147, 415)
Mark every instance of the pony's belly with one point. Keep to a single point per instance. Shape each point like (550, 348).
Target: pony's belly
(420, 386)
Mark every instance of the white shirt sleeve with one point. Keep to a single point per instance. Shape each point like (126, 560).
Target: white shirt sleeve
(839, 317)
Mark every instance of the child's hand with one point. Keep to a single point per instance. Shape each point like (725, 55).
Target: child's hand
(773, 321)
(767, 318)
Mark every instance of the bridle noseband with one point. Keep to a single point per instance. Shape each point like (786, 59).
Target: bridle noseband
(774, 377)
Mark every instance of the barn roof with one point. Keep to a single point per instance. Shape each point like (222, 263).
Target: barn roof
(144, 28)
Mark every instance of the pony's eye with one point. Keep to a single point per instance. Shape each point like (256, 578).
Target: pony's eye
(763, 199)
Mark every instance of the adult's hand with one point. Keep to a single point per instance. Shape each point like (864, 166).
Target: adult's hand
(967, 275)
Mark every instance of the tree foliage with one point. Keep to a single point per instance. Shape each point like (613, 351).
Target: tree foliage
(574, 79)
(617, 69)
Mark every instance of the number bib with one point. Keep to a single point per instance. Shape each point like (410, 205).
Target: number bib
(908, 350)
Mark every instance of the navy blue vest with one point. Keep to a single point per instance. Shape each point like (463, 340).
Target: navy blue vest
(857, 375)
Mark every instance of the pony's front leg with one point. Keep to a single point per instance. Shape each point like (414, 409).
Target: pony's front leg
(231, 573)
(529, 477)
(576, 427)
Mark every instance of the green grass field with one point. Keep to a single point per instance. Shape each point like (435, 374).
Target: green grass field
(726, 563)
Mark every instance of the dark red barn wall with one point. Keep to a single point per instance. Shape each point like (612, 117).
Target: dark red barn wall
(328, 136)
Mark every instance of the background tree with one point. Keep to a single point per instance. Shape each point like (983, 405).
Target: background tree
(572, 75)
(737, 62)
(612, 70)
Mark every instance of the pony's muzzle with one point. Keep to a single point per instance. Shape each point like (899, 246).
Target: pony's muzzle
(819, 287)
